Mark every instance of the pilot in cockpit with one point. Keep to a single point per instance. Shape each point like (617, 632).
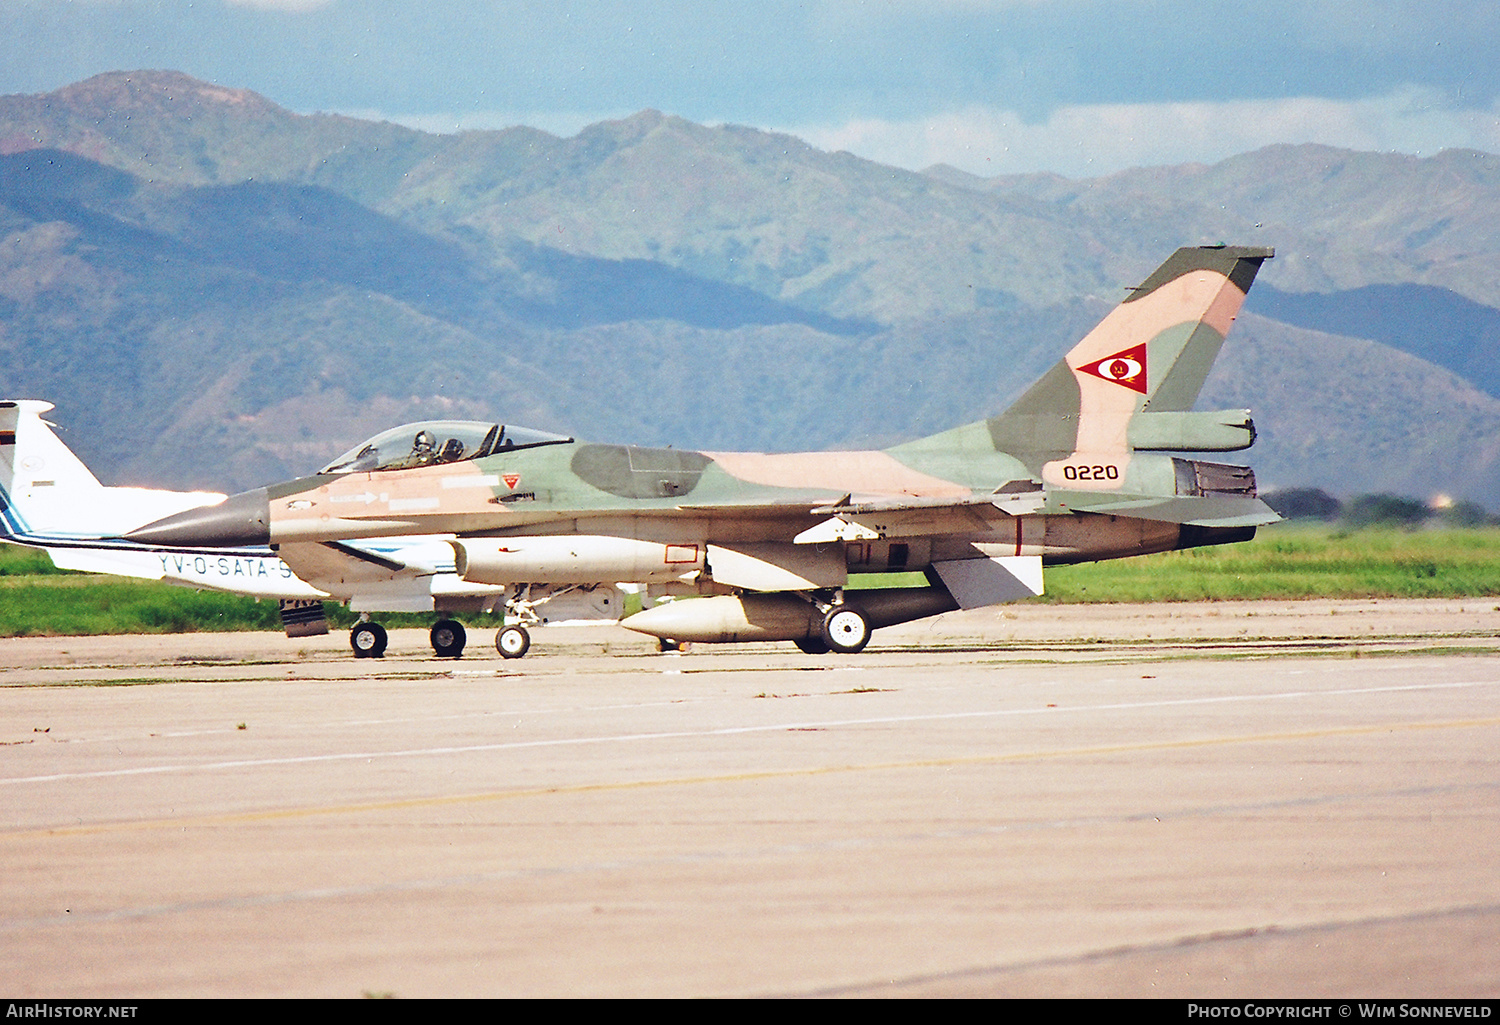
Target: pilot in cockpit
(419, 444)
(423, 449)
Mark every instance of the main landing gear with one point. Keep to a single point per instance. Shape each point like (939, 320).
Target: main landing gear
(845, 630)
(369, 639)
(521, 605)
(448, 637)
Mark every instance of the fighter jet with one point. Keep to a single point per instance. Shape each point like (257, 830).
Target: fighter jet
(770, 546)
(50, 500)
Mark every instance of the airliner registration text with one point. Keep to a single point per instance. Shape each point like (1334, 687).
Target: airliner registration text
(220, 566)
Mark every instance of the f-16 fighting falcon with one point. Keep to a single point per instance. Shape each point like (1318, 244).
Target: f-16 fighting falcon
(1078, 469)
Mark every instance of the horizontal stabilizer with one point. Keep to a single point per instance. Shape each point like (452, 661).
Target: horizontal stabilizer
(1205, 511)
(1229, 430)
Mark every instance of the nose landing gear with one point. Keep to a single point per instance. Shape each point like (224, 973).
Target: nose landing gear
(512, 641)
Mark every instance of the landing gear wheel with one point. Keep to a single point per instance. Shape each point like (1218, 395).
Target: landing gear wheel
(512, 641)
(846, 630)
(812, 645)
(448, 638)
(666, 645)
(368, 640)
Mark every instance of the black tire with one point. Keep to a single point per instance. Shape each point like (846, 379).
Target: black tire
(512, 641)
(667, 645)
(846, 630)
(812, 645)
(368, 640)
(448, 638)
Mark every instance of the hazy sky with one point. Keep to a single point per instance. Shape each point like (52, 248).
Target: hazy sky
(1080, 87)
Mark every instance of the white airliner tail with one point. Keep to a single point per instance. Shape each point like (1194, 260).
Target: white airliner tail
(50, 500)
(49, 494)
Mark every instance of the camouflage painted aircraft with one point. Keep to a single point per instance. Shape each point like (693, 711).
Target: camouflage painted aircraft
(50, 500)
(1077, 470)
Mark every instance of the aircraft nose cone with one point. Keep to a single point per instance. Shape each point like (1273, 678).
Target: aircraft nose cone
(243, 519)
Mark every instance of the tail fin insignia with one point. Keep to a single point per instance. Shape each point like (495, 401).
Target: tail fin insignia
(1126, 367)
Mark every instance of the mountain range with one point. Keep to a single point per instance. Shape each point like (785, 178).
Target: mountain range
(218, 292)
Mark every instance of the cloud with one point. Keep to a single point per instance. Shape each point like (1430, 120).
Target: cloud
(563, 123)
(1097, 139)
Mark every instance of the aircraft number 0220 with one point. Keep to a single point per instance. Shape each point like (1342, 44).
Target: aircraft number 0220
(1105, 472)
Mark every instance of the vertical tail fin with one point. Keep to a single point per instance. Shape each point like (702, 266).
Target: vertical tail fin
(1150, 356)
(46, 488)
(1178, 317)
(48, 494)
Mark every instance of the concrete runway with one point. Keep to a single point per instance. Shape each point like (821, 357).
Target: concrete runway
(1229, 799)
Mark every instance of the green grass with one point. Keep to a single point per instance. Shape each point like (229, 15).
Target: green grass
(37, 599)
(25, 562)
(78, 604)
(1284, 561)
(1298, 561)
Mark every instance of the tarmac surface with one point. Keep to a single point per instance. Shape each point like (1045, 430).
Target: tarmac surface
(1226, 799)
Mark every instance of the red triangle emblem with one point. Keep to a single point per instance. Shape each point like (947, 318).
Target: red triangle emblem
(1126, 367)
(511, 479)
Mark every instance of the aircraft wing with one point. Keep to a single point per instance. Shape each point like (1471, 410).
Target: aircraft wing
(866, 519)
(381, 575)
(254, 572)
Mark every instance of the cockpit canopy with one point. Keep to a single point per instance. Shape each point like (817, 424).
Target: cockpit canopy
(436, 441)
